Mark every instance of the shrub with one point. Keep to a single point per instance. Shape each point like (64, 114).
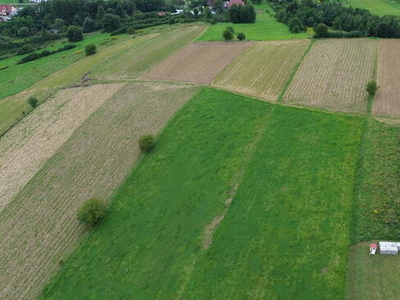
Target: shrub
(241, 36)
(228, 33)
(91, 212)
(33, 102)
(321, 31)
(88, 25)
(372, 88)
(74, 34)
(146, 142)
(26, 48)
(130, 30)
(111, 22)
(90, 49)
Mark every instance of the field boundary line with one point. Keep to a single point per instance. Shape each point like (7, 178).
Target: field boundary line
(294, 71)
(374, 77)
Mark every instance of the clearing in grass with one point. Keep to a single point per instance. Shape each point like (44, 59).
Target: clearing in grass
(133, 62)
(376, 7)
(294, 185)
(334, 74)
(263, 69)
(266, 28)
(197, 62)
(91, 164)
(387, 100)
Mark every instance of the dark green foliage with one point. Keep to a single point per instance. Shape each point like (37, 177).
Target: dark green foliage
(35, 56)
(111, 22)
(74, 34)
(296, 26)
(150, 5)
(33, 102)
(241, 36)
(242, 13)
(371, 88)
(26, 48)
(91, 212)
(130, 30)
(321, 31)
(89, 25)
(384, 30)
(100, 13)
(90, 49)
(146, 143)
(228, 33)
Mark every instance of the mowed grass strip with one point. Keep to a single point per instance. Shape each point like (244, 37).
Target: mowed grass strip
(154, 230)
(333, 75)
(287, 233)
(27, 146)
(387, 100)
(197, 62)
(133, 62)
(11, 108)
(92, 163)
(263, 69)
(372, 277)
(266, 28)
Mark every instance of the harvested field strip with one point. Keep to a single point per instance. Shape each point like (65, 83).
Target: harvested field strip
(333, 75)
(276, 242)
(387, 101)
(25, 149)
(294, 200)
(263, 69)
(372, 277)
(154, 231)
(92, 163)
(131, 63)
(11, 108)
(197, 63)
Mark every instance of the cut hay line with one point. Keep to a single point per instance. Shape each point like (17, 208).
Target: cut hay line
(197, 63)
(92, 163)
(133, 62)
(387, 101)
(333, 75)
(263, 69)
(25, 148)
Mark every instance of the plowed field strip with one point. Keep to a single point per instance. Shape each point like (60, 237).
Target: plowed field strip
(92, 163)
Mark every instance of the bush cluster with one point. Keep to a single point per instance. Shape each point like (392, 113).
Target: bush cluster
(146, 143)
(91, 212)
(35, 56)
(90, 49)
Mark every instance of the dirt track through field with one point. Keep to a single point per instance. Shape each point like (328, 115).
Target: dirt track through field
(25, 148)
(197, 63)
(92, 163)
(387, 101)
(334, 74)
(263, 69)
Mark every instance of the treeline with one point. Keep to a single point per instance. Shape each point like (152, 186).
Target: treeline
(35, 56)
(345, 20)
(242, 13)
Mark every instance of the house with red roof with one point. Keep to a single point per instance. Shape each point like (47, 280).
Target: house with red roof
(232, 2)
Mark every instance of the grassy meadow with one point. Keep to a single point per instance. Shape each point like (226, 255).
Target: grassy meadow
(266, 28)
(276, 239)
(377, 7)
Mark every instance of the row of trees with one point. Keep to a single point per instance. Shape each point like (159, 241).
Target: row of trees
(300, 15)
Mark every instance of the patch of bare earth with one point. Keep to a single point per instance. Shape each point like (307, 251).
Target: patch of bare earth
(333, 75)
(387, 101)
(27, 146)
(197, 62)
(92, 163)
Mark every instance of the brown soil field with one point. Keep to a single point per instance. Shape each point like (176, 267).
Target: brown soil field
(93, 162)
(333, 75)
(25, 148)
(197, 63)
(387, 100)
(263, 69)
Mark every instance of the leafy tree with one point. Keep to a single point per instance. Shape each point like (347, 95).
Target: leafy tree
(91, 212)
(119, 11)
(88, 25)
(228, 33)
(26, 48)
(384, 30)
(111, 22)
(321, 31)
(100, 13)
(58, 23)
(146, 143)
(90, 49)
(295, 25)
(371, 88)
(242, 13)
(149, 5)
(33, 102)
(74, 34)
(241, 36)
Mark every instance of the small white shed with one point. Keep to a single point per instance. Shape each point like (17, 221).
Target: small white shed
(388, 248)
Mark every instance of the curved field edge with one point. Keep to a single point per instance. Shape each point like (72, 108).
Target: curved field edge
(278, 228)
(93, 162)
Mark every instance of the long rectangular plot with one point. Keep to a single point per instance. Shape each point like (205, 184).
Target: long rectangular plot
(197, 63)
(92, 163)
(334, 74)
(263, 69)
(387, 101)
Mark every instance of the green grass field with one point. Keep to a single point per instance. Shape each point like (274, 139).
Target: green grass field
(285, 235)
(377, 7)
(266, 28)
